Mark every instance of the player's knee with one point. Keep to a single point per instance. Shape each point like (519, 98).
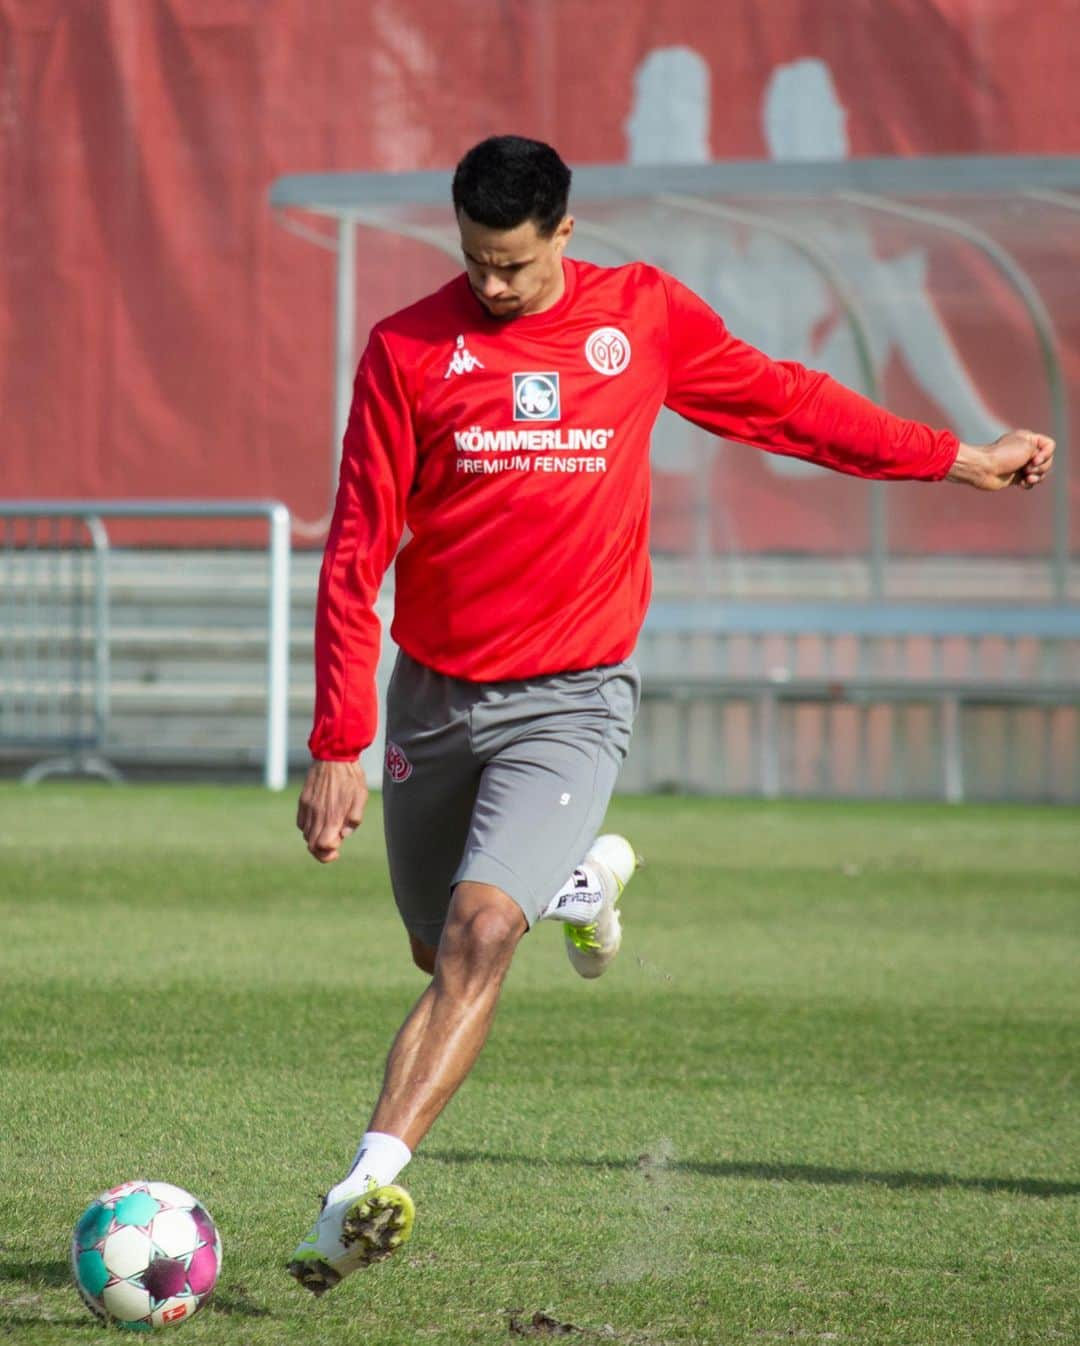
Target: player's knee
(423, 955)
(497, 931)
(483, 924)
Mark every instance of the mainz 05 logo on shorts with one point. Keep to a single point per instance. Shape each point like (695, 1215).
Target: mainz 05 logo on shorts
(536, 397)
(608, 350)
(398, 766)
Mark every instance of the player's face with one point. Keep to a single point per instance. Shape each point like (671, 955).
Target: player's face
(514, 271)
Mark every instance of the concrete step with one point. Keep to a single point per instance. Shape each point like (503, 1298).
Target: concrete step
(212, 697)
(188, 644)
(174, 640)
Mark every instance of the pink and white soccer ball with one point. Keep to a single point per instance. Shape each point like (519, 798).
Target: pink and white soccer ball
(145, 1255)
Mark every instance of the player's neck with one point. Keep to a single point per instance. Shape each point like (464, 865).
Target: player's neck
(551, 297)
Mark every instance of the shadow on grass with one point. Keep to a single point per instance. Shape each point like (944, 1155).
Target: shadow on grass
(234, 1299)
(37, 1275)
(810, 1173)
(23, 1301)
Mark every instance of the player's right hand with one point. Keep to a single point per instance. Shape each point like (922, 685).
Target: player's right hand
(1019, 458)
(331, 806)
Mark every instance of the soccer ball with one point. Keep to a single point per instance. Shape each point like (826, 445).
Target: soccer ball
(145, 1254)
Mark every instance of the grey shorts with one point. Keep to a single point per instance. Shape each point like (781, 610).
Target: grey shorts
(504, 783)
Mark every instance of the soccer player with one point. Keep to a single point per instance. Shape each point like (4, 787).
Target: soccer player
(505, 421)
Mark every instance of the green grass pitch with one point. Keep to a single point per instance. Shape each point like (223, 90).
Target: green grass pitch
(827, 1093)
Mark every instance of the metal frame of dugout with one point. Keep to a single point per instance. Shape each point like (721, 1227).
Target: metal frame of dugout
(1018, 663)
(900, 187)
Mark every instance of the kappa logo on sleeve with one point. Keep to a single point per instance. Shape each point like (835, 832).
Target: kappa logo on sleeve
(536, 397)
(608, 351)
(398, 766)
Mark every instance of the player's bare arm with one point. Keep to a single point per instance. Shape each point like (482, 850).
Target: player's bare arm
(331, 806)
(1020, 458)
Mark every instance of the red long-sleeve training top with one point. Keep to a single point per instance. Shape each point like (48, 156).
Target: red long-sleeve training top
(517, 453)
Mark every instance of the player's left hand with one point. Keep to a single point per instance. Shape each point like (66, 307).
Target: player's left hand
(1019, 458)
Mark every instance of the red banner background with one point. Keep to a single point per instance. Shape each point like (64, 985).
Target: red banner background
(161, 334)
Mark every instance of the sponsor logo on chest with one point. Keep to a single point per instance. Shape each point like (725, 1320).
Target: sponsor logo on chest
(536, 397)
(536, 400)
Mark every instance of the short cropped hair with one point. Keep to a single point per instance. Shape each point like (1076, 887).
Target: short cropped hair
(506, 180)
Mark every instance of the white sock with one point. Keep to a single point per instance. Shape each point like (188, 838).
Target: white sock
(378, 1156)
(578, 900)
